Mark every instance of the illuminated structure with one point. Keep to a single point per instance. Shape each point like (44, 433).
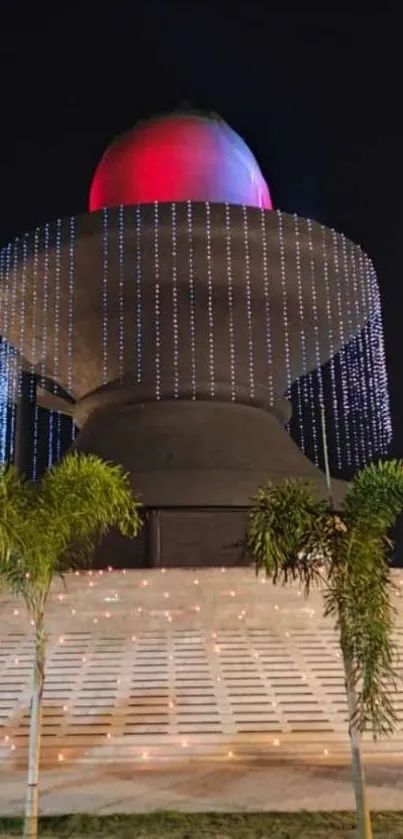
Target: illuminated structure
(173, 320)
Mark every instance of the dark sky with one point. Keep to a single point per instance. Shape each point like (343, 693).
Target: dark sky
(316, 96)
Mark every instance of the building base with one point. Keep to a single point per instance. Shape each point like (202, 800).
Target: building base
(195, 465)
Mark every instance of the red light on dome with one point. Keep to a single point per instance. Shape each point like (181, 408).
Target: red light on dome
(179, 158)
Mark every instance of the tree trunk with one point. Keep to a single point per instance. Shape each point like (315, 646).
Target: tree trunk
(359, 783)
(35, 731)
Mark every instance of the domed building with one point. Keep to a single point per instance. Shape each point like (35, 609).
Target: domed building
(184, 327)
(172, 322)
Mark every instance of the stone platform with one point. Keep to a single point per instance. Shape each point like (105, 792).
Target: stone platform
(159, 669)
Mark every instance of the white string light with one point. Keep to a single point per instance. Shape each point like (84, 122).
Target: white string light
(70, 322)
(44, 312)
(157, 305)
(175, 310)
(3, 368)
(267, 307)
(248, 300)
(121, 259)
(105, 258)
(33, 348)
(210, 308)
(351, 355)
(342, 355)
(302, 386)
(333, 380)
(7, 347)
(14, 377)
(361, 385)
(138, 329)
(192, 302)
(231, 322)
(284, 296)
(56, 347)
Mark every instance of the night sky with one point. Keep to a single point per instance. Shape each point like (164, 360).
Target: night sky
(317, 98)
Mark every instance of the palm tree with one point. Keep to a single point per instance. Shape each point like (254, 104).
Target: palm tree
(45, 528)
(292, 535)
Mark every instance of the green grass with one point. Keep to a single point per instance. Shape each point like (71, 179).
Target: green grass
(164, 825)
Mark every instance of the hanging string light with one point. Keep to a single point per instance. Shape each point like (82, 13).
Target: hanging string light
(175, 310)
(34, 326)
(360, 384)
(55, 417)
(70, 326)
(231, 320)
(334, 390)
(301, 384)
(210, 308)
(44, 314)
(267, 308)
(14, 379)
(121, 315)
(192, 302)
(352, 359)
(342, 353)
(157, 305)
(284, 296)
(248, 301)
(3, 370)
(138, 327)
(105, 257)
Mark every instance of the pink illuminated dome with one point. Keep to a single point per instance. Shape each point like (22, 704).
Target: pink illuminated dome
(179, 157)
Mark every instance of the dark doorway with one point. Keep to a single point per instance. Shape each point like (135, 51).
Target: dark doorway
(179, 538)
(196, 538)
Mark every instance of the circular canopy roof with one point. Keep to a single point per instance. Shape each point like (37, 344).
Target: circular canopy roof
(179, 157)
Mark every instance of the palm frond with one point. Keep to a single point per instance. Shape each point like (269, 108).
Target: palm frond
(41, 525)
(288, 532)
(292, 535)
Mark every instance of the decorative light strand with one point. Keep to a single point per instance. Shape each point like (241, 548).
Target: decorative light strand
(333, 380)
(249, 310)
(370, 356)
(302, 384)
(121, 259)
(175, 311)
(14, 377)
(210, 304)
(192, 303)
(22, 298)
(341, 357)
(3, 369)
(44, 314)
(105, 258)
(379, 362)
(387, 430)
(361, 385)
(231, 323)
(23, 314)
(70, 322)
(139, 330)
(351, 355)
(267, 307)
(318, 372)
(56, 346)
(283, 279)
(157, 304)
(34, 349)
(6, 348)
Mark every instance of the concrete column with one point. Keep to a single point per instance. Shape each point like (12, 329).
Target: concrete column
(25, 420)
(154, 538)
